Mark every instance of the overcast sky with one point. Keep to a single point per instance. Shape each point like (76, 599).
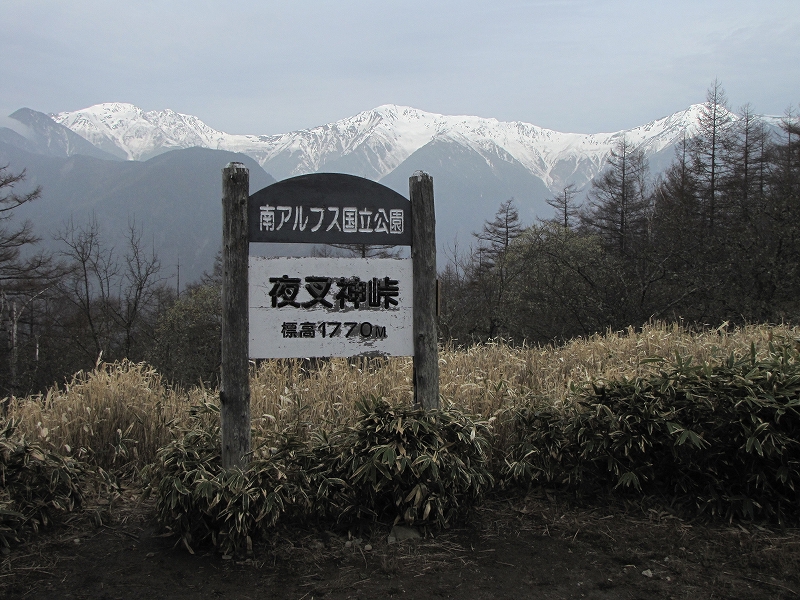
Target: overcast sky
(264, 67)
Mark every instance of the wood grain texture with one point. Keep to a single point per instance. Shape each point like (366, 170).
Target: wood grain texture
(423, 255)
(235, 382)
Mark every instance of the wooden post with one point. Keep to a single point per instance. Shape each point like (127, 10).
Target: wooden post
(423, 256)
(234, 392)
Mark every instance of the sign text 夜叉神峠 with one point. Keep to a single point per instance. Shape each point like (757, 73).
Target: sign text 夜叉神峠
(313, 307)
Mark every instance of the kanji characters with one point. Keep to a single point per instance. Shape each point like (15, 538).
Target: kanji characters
(284, 291)
(332, 329)
(348, 219)
(351, 290)
(352, 293)
(318, 287)
(383, 289)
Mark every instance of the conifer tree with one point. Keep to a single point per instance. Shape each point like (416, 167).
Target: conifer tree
(24, 277)
(15, 236)
(565, 205)
(618, 207)
(707, 150)
(492, 265)
(744, 160)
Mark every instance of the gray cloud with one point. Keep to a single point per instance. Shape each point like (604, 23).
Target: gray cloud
(269, 67)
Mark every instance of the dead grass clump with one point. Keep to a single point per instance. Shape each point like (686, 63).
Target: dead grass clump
(121, 413)
(323, 393)
(115, 416)
(488, 378)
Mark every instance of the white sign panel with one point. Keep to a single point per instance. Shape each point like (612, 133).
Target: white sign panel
(313, 307)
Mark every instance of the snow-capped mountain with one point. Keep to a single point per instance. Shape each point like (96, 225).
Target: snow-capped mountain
(129, 132)
(376, 142)
(476, 164)
(37, 133)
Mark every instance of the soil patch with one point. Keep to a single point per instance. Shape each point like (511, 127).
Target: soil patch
(533, 547)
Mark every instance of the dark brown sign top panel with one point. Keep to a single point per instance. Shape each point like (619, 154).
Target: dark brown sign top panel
(329, 208)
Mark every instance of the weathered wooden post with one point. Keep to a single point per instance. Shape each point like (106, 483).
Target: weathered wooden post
(423, 256)
(235, 385)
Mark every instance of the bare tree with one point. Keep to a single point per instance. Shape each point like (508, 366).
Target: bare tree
(138, 287)
(110, 295)
(24, 274)
(619, 207)
(564, 204)
(360, 250)
(708, 146)
(88, 284)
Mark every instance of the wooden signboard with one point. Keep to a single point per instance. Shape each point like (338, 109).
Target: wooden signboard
(315, 307)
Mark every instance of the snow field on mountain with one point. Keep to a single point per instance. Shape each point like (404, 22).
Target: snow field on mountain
(381, 139)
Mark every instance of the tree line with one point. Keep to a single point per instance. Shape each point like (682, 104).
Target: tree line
(714, 238)
(63, 312)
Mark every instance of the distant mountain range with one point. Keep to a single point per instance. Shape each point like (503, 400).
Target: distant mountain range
(163, 168)
(173, 198)
(374, 143)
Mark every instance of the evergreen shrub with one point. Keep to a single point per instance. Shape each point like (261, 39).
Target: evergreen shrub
(36, 486)
(400, 465)
(200, 501)
(721, 439)
(410, 466)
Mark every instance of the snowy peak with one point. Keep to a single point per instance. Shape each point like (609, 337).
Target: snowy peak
(375, 142)
(389, 134)
(40, 135)
(136, 134)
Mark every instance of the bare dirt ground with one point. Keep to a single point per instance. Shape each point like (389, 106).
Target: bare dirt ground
(533, 547)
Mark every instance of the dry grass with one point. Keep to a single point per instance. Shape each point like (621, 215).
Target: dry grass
(490, 377)
(114, 415)
(487, 378)
(323, 393)
(121, 413)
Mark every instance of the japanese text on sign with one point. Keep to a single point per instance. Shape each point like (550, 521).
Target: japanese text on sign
(334, 218)
(310, 329)
(373, 293)
(308, 307)
(329, 208)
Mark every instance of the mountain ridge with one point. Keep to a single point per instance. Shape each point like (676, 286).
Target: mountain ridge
(173, 198)
(477, 163)
(39, 134)
(379, 140)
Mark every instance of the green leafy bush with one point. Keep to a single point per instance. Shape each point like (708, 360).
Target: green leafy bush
(200, 501)
(412, 466)
(721, 439)
(540, 451)
(36, 486)
(396, 464)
